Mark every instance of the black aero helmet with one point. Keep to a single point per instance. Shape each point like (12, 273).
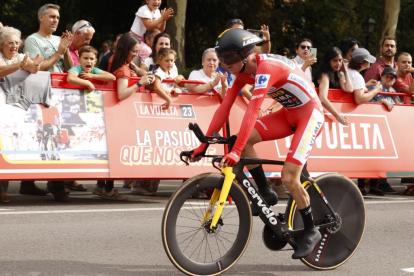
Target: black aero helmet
(235, 44)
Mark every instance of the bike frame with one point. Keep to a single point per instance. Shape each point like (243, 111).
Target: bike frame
(280, 228)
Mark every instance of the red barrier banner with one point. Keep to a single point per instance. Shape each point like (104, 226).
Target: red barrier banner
(145, 141)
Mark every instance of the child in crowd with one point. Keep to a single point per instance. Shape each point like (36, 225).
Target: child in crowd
(149, 17)
(388, 77)
(79, 75)
(165, 60)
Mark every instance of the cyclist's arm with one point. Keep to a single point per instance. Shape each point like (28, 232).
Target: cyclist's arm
(222, 113)
(253, 109)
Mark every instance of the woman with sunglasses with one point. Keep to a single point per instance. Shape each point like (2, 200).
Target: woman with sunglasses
(303, 59)
(302, 113)
(333, 74)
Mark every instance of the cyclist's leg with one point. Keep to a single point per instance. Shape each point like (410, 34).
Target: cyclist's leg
(309, 122)
(265, 130)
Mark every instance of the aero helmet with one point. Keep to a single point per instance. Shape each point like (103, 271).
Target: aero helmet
(234, 45)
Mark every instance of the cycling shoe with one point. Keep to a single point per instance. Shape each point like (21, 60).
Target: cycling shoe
(269, 196)
(309, 241)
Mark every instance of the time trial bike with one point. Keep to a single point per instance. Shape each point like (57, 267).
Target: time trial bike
(208, 237)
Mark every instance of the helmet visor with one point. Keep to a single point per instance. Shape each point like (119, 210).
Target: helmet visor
(229, 57)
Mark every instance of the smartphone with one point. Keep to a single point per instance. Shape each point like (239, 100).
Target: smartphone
(151, 68)
(256, 32)
(313, 52)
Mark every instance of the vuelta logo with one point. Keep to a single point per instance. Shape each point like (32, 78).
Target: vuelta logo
(366, 137)
(154, 110)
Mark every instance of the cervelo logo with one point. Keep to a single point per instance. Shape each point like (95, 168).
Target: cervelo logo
(261, 81)
(154, 110)
(260, 203)
(366, 137)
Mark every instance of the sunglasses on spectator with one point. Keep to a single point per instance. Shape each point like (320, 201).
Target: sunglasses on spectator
(303, 47)
(87, 25)
(13, 43)
(236, 21)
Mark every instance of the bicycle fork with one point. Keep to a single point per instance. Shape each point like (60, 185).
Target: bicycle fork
(221, 196)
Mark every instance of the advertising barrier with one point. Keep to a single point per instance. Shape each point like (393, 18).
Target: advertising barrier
(93, 135)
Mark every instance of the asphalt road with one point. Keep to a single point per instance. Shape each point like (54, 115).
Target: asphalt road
(95, 237)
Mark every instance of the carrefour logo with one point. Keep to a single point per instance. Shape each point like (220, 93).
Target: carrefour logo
(261, 81)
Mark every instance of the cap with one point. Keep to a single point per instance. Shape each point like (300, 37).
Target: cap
(361, 54)
(389, 70)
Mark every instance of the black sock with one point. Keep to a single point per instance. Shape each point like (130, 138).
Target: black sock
(307, 217)
(259, 177)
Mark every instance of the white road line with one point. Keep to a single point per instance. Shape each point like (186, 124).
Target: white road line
(411, 269)
(9, 212)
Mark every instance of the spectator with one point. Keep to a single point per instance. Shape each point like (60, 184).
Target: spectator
(126, 50)
(82, 35)
(208, 75)
(53, 49)
(165, 62)
(118, 36)
(388, 77)
(361, 60)
(388, 50)
(105, 55)
(303, 59)
(10, 62)
(149, 17)
(57, 58)
(266, 45)
(79, 75)
(404, 82)
(149, 40)
(333, 74)
(161, 40)
(348, 45)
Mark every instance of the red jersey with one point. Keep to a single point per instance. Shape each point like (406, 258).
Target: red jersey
(276, 76)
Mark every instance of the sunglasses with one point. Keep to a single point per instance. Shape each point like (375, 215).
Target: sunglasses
(87, 25)
(229, 57)
(303, 47)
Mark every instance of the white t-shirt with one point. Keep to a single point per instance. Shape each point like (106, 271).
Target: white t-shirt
(199, 75)
(357, 79)
(164, 76)
(138, 26)
(148, 61)
(300, 61)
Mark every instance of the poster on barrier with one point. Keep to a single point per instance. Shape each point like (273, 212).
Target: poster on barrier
(65, 139)
(145, 141)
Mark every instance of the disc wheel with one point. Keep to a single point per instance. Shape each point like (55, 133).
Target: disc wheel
(191, 245)
(338, 243)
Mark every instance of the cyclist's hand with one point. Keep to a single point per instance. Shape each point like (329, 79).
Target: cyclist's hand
(230, 159)
(197, 153)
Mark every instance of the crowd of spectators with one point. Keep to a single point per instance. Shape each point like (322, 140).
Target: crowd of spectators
(145, 51)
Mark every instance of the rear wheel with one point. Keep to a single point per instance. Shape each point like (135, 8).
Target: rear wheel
(339, 243)
(190, 244)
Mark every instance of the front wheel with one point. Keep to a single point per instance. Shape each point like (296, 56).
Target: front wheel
(339, 243)
(190, 244)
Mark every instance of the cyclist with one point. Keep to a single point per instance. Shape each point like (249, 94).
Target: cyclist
(302, 115)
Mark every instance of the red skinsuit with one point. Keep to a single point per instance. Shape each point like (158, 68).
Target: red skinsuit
(280, 79)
